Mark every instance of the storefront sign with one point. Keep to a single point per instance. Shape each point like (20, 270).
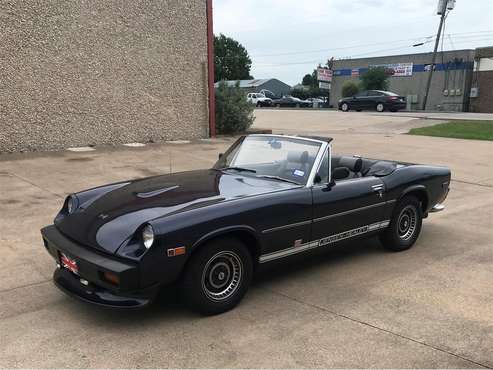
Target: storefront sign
(324, 74)
(397, 69)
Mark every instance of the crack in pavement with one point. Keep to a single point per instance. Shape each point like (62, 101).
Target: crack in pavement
(472, 183)
(326, 310)
(25, 286)
(33, 184)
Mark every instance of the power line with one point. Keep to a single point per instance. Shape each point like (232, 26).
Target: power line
(470, 37)
(368, 45)
(338, 48)
(320, 61)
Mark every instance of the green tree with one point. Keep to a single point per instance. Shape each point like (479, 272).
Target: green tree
(231, 59)
(349, 88)
(375, 79)
(307, 80)
(315, 91)
(233, 112)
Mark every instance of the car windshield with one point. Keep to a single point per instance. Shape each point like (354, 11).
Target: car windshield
(275, 157)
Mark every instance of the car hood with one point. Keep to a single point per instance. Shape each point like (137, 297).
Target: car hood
(113, 213)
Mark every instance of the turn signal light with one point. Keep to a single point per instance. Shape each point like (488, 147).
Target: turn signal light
(176, 251)
(112, 278)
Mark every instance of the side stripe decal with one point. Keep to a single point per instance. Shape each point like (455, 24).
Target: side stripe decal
(289, 226)
(353, 210)
(296, 224)
(324, 241)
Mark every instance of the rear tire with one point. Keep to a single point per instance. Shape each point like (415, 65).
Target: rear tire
(380, 107)
(217, 276)
(405, 225)
(259, 104)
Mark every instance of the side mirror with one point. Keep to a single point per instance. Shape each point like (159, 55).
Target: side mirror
(220, 155)
(340, 173)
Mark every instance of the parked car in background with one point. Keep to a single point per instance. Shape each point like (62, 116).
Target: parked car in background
(290, 101)
(315, 100)
(260, 100)
(373, 100)
(270, 94)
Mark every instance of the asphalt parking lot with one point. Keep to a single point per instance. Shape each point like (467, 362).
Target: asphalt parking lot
(351, 306)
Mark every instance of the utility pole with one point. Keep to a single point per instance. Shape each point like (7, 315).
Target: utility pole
(442, 10)
(330, 65)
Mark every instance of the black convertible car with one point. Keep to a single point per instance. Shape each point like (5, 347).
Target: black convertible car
(268, 197)
(373, 100)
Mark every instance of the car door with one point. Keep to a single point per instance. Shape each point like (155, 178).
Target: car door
(374, 97)
(359, 100)
(347, 208)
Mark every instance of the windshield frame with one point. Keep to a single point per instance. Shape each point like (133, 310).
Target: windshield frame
(323, 148)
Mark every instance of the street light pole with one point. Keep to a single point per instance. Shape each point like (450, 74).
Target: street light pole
(437, 40)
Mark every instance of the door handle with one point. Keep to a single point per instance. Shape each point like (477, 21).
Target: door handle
(379, 189)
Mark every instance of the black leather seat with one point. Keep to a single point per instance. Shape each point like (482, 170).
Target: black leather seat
(353, 164)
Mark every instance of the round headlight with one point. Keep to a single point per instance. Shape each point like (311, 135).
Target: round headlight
(148, 236)
(71, 204)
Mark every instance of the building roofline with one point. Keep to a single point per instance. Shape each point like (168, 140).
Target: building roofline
(403, 55)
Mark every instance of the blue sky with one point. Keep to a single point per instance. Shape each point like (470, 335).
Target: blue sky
(288, 38)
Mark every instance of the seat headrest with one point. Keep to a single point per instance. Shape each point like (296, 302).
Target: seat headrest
(353, 163)
(298, 157)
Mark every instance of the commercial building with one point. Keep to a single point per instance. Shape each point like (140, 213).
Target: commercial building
(103, 72)
(482, 81)
(450, 88)
(279, 88)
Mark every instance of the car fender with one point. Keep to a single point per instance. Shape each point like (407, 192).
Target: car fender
(418, 187)
(225, 231)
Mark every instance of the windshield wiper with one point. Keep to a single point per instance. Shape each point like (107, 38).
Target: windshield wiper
(241, 169)
(279, 178)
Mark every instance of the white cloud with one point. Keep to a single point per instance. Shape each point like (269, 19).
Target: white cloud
(342, 28)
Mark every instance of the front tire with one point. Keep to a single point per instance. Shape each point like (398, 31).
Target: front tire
(217, 276)
(405, 225)
(344, 107)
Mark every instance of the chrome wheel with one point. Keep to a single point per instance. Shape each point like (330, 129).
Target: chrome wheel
(407, 221)
(344, 107)
(380, 107)
(222, 275)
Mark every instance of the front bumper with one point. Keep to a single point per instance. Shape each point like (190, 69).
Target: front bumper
(70, 284)
(89, 285)
(437, 208)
